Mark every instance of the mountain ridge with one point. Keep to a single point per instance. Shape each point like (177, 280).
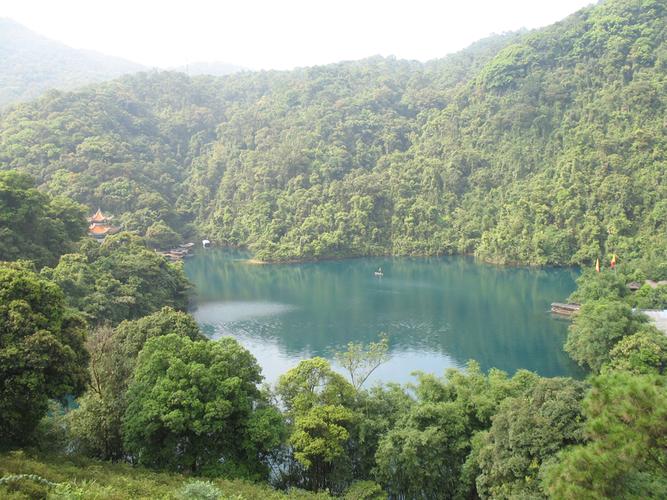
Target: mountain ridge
(31, 64)
(540, 147)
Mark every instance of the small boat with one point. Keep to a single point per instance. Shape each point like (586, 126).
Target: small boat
(379, 273)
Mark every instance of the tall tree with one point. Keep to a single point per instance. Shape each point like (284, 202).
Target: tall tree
(195, 406)
(96, 424)
(626, 456)
(597, 328)
(318, 403)
(42, 353)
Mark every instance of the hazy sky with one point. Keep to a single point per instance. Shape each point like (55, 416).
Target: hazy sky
(278, 34)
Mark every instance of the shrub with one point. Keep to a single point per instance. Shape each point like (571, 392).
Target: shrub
(199, 490)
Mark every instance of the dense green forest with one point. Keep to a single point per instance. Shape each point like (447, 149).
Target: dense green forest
(107, 326)
(542, 147)
(539, 147)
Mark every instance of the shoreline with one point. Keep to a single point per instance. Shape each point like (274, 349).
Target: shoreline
(499, 263)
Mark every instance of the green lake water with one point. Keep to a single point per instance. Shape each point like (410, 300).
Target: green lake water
(437, 312)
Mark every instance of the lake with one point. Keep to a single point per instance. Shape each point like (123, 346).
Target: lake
(437, 312)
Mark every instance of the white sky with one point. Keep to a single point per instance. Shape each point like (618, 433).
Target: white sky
(278, 34)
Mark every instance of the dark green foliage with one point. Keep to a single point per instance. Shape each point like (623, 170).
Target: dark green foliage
(120, 279)
(598, 327)
(41, 351)
(423, 455)
(627, 428)
(160, 235)
(379, 409)
(33, 225)
(122, 146)
(527, 431)
(132, 335)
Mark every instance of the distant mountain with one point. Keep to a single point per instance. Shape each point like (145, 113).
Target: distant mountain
(30, 64)
(214, 68)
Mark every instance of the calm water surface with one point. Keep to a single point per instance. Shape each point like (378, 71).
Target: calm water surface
(437, 312)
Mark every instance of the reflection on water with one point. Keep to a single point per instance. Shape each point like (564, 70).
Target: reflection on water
(438, 312)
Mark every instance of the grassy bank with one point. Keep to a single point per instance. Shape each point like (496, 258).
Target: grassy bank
(49, 476)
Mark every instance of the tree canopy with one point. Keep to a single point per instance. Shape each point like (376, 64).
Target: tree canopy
(42, 353)
(34, 225)
(541, 147)
(191, 405)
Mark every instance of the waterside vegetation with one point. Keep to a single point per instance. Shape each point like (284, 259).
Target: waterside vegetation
(543, 148)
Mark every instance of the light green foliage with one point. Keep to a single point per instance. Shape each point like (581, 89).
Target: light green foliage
(33, 225)
(199, 490)
(318, 404)
(644, 352)
(360, 362)
(189, 403)
(24, 486)
(365, 490)
(527, 431)
(320, 434)
(42, 355)
(84, 490)
(648, 297)
(511, 64)
(477, 392)
(627, 429)
(117, 481)
(312, 383)
(592, 286)
(597, 328)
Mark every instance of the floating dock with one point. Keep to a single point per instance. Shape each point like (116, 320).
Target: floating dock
(178, 254)
(564, 309)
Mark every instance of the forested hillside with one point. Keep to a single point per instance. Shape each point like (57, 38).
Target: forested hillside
(543, 147)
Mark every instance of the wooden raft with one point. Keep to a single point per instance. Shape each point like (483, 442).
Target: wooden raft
(564, 309)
